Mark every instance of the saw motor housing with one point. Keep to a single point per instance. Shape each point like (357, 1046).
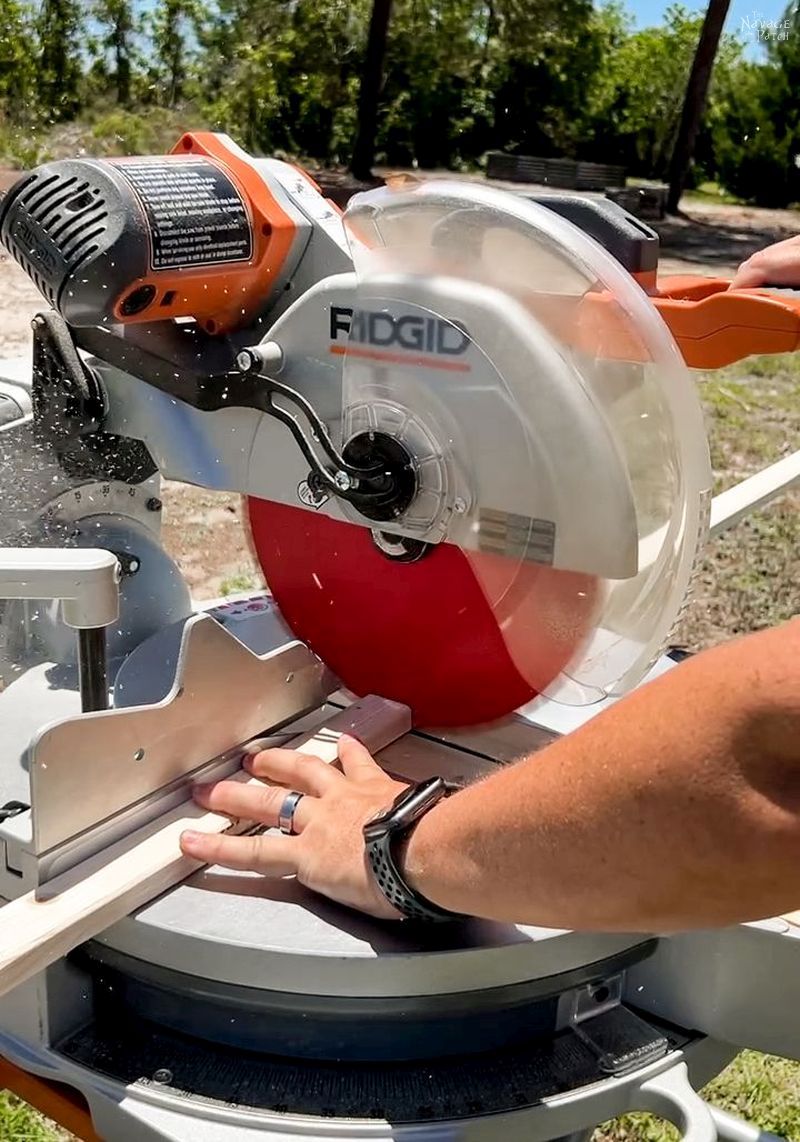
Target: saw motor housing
(199, 233)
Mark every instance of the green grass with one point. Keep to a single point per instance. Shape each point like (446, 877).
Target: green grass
(761, 1088)
(750, 578)
(237, 583)
(712, 192)
(18, 1123)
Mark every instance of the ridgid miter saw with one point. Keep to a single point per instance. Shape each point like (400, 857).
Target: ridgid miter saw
(477, 482)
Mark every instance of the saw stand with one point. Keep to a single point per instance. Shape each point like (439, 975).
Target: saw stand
(223, 1011)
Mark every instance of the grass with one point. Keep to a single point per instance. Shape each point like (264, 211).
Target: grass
(712, 192)
(749, 578)
(234, 584)
(19, 1123)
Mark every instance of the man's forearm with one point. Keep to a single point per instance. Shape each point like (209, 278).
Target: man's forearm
(678, 807)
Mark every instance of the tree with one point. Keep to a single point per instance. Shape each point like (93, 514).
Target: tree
(545, 58)
(17, 65)
(635, 99)
(436, 101)
(756, 125)
(116, 20)
(370, 90)
(59, 27)
(170, 31)
(694, 104)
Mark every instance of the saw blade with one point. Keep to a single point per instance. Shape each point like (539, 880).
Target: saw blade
(559, 458)
(424, 633)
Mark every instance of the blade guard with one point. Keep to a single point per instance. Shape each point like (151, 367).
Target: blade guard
(561, 485)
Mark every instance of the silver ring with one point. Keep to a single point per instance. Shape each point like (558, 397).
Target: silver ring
(287, 812)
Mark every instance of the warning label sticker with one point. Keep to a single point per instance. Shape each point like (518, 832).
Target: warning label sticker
(195, 214)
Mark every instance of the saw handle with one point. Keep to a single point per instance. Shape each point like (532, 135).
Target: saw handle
(670, 1095)
(715, 325)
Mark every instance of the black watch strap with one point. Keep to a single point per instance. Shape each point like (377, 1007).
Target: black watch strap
(385, 839)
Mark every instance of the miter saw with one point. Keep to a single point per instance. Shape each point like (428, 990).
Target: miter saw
(477, 483)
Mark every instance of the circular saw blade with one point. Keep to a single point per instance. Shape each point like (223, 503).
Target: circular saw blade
(560, 466)
(422, 633)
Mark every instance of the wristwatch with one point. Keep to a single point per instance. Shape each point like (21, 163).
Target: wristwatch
(384, 834)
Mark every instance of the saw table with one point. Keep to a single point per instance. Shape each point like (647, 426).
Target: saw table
(463, 421)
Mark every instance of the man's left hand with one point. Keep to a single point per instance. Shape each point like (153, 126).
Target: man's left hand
(327, 853)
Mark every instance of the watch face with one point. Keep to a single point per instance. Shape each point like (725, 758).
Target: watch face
(385, 815)
(409, 805)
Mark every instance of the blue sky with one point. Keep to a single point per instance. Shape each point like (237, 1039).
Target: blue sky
(743, 15)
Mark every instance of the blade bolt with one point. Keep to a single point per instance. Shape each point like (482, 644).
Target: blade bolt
(343, 481)
(247, 361)
(258, 358)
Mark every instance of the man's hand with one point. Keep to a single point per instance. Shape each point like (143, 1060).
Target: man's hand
(777, 265)
(327, 855)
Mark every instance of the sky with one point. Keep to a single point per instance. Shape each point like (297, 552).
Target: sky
(743, 17)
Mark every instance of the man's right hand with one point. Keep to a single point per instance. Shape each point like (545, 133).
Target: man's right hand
(776, 265)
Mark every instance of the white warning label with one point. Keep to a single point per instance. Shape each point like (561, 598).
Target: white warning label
(195, 214)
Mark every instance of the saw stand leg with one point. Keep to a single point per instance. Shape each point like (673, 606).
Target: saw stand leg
(87, 583)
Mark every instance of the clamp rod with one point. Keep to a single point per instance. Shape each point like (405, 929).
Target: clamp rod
(93, 669)
(86, 580)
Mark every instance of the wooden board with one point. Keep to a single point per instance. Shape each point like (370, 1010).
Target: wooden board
(42, 926)
(60, 1103)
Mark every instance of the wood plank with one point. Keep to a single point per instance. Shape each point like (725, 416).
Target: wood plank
(42, 926)
(60, 1103)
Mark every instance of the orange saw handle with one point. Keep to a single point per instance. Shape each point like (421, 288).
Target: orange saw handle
(714, 325)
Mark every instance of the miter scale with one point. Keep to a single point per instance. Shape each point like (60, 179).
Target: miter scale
(477, 482)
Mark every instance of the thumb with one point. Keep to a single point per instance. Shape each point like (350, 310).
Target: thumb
(748, 276)
(355, 758)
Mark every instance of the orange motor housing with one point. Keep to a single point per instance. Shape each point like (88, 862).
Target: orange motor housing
(197, 233)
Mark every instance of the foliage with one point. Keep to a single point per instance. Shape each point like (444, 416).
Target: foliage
(18, 1123)
(461, 77)
(58, 26)
(171, 27)
(17, 65)
(639, 97)
(118, 24)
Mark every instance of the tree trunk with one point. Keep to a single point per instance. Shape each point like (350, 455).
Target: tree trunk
(694, 104)
(369, 94)
(123, 64)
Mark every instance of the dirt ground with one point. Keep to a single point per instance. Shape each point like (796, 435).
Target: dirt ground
(748, 579)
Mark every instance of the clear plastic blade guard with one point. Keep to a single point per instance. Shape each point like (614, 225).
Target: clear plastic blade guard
(557, 435)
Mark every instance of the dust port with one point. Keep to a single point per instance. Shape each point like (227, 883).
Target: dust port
(137, 300)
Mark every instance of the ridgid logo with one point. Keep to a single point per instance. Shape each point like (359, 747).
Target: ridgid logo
(407, 339)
